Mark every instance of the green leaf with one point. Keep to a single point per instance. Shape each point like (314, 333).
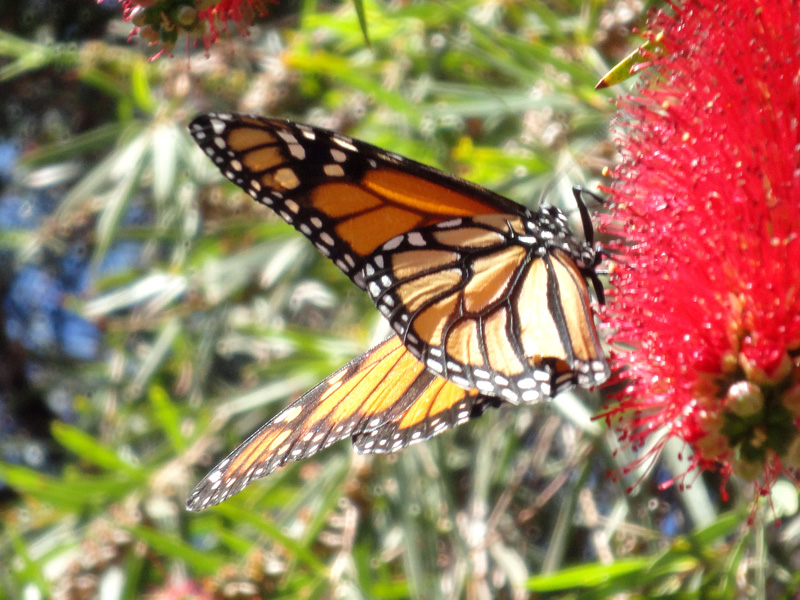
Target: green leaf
(362, 20)
(165, 145)
(140, 86)
(93, 140)
(168, 545)
(586, 575)
(271, 531)
(68, 495)
(625, 68)
(32, 56)
(89, 449)
(156, 357)
(168, 416)
(725, 525)
(127, 168)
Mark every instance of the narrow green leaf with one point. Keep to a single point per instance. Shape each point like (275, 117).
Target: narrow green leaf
(330, 65)
(625, 68)
(135, 567)
(268, 528)
(586, 575)
(89, 449)
(362, 20)
(63, 494)
(157, 355)
(168, 417)
(725, 525)
(240, 544)
(165, 153)
(127, 166)
(74, 146)
(174, 548)
(140, 86)
(32, 56)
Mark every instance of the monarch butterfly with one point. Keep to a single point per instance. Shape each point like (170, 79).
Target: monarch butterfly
(488, 300)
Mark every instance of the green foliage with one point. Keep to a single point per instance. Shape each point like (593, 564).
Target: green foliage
(229, 314)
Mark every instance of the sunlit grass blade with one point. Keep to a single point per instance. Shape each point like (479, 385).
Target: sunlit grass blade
(89, 449)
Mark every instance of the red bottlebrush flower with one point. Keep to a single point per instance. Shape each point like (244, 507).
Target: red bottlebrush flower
(160, 22)
(705, 309)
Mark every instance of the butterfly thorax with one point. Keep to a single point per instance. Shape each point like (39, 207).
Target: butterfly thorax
(555, 233)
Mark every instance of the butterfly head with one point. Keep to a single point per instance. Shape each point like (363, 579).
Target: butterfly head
(554, 231)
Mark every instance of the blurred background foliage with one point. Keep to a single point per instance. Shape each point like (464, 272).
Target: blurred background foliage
(154, 317)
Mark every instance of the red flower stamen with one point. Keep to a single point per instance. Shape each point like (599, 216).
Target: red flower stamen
(161, 22)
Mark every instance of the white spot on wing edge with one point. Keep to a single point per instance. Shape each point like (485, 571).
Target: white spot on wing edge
(509, 395)
(297, 151)
(217, 125)
(531, 395)
(287, 136)
(344, 143)
(484, 386)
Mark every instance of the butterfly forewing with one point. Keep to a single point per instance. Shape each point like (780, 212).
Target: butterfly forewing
(385, 399)
(439, 407)
(346, 196)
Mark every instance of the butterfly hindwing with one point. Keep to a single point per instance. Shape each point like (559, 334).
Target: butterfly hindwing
(493, 302)
(385, 399)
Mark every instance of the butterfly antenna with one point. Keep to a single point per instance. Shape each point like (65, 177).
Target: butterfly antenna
(586, 221)
(599, 292)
